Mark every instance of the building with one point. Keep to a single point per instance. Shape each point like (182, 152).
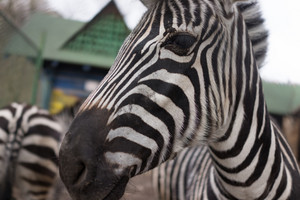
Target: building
(74, 55)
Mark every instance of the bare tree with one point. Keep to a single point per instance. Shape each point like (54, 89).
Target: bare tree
(20, 10)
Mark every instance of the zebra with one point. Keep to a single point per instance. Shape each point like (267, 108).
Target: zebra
(186, 76)
(29, 144)
(180, 178)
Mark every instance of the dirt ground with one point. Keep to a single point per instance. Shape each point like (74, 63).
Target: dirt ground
(140, 188)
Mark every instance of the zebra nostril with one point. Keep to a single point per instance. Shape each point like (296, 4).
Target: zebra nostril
(80, 174)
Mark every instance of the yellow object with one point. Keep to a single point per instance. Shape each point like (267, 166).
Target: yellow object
(60, 100)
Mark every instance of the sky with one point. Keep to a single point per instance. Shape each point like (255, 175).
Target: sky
(283, 22)
(282, 19)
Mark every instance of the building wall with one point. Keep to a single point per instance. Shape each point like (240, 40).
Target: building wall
(16, 79)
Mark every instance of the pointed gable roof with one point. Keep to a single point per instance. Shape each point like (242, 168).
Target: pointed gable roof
(94, 43)
(103, 35)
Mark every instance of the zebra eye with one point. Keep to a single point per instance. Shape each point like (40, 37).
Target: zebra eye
(180, 43)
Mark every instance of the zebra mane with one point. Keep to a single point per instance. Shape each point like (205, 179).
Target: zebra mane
(257, 30)
(258, 33)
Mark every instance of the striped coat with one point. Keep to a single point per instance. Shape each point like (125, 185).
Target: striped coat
(29, 141)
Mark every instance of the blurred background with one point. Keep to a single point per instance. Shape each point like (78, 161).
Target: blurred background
(55, 52)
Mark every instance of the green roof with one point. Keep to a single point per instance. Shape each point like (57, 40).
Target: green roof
(282, 98)
(103, 35)
(94, 43)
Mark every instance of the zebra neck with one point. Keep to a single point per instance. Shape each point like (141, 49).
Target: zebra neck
(247, 158)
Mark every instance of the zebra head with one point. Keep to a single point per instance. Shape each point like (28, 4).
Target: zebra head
(175, 83)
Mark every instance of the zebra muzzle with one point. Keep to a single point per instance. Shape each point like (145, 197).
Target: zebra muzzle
(87, 179)
(83, 166)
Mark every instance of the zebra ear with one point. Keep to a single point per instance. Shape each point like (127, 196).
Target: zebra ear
(149, 3)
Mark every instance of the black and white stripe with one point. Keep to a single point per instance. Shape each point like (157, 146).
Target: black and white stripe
(182, 177)
(186, 76)
(29, 142)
